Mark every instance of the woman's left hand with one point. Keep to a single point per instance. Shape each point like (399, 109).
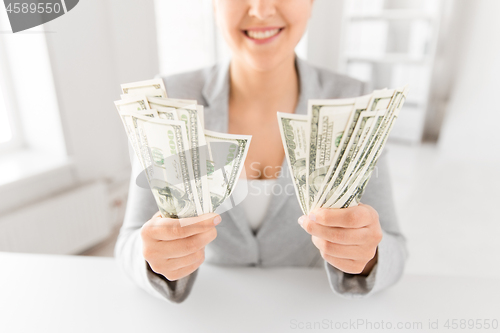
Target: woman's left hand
(347, 238)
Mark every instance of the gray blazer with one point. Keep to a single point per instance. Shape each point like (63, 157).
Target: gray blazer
(280, 241)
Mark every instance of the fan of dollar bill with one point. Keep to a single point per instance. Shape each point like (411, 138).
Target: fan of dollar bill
(332, 151)
(190, 170)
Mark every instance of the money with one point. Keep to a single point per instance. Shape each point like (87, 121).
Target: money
(294, 131)
(345, 138)
(377, 100)
(154, 87)
(190, 114)
(327, 121)
(168, 137)
(137, 103)
(168, 166)
(228, 153)
(169, 103)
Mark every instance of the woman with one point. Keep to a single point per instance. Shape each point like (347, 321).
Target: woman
(360, 247)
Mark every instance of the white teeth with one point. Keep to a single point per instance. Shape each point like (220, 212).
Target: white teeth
(262, 34)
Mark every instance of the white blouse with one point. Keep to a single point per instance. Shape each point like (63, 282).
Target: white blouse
(257, 199)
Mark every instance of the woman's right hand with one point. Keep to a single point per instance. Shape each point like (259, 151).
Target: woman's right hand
(175, 251)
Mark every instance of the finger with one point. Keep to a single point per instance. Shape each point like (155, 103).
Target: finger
(182, 247)
(346, 265)
(178, 263)
(352, 217)
(353, 252)
(337, 235)
(166, 229)
(346, 236)
(182, 272)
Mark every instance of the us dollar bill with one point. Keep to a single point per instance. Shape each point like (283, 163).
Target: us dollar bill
(360, 105)
(168, 113)
(378, 100)
(294, 135)
(166, 158)
(191, 115)
(358, 180)
(137, 103)
(199, 153)
(385, 117)
(353, 187)
(368, 122)
(350, 197)
(151, 113)
(327, 122)
(154, 87)
(160, 93)
(228, 154)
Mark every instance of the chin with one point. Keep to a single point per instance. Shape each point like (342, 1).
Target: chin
(266, 62)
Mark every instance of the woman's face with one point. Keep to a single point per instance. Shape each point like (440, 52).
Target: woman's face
(262, 33)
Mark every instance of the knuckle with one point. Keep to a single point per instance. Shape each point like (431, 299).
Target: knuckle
(309, 227)
(355, 215)
(190, 244)
(175, 232)
(321, 214)
(201, 259)
(314, 240)
(147, 252)
(213, 234)
(328, 247)
(364, 210)
(145, 231)
(374, 213)
(201, 256)
(340, 236)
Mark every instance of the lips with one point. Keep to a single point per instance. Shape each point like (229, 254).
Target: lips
(262, 34)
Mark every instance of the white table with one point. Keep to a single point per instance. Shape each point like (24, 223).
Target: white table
(45, 293)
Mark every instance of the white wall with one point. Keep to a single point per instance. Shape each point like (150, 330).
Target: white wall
(186, 35)
(324, 33)
(95, 47)
(470, 128)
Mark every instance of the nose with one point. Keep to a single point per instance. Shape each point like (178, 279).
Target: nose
(262, 9)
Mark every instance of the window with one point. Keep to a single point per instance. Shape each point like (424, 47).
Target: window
(29, 115)
(31, 140)
(391, 43)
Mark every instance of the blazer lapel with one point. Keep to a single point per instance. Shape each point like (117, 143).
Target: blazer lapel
(216, 94)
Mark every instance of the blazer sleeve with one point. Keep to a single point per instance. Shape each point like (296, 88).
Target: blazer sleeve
(392, 252)
(141, 206)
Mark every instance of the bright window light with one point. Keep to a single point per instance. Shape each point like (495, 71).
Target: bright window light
(5, 130)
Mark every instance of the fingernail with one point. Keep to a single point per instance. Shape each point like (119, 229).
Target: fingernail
(301, 219)
(312, 217)
(217, 220)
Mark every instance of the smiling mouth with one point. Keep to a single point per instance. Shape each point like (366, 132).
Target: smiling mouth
(262, 34)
